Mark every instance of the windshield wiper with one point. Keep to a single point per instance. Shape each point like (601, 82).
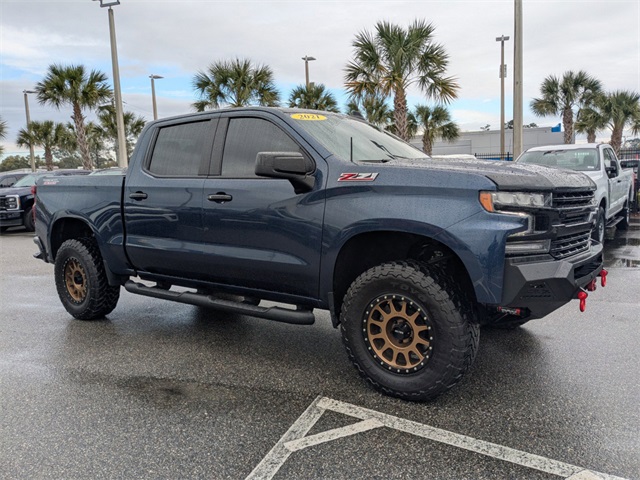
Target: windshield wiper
(386, 150)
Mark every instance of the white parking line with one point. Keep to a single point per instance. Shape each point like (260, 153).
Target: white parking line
(295, 439)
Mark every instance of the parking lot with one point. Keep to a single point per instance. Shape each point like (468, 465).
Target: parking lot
(164, 390)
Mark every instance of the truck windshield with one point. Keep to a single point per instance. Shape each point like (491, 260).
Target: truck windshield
(580, 159)
(28, 181)
(355, 140)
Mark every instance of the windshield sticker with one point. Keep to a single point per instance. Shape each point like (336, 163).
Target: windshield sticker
(310, 117)
(357, 177)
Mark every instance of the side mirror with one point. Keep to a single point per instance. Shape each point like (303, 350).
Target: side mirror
(292, 166)
(611, 171)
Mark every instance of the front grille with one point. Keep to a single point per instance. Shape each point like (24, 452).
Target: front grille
(3, 203)
(565, 246)
(564, 200)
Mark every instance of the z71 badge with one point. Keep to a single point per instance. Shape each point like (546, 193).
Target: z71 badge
(357, 177)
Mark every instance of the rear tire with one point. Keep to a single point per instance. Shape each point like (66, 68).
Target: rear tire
(81, 280)
(408, 330)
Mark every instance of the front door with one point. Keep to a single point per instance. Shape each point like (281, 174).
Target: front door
(257, 231)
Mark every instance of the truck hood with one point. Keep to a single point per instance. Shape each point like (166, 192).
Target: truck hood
(506, 175)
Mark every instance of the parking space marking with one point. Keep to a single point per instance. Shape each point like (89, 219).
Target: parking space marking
(295, 439)
(334, 434)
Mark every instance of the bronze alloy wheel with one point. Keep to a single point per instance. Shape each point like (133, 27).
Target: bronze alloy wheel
(398, 334)
(75, 279)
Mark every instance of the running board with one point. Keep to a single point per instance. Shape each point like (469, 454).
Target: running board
(296, 317)
(614, 221)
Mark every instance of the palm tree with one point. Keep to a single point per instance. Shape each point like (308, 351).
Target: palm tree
(315, 97)
(3, 133)
(559, 97)
(235, 83)
(107, 128)
(621, 109)
(73, 85)
(394, 59)
(590, 120)
(376, 110)
(47, 135)
(436, 123)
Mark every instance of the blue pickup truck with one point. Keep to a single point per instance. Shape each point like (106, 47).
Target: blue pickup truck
(237, 209)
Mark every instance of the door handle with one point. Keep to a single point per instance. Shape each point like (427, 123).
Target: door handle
(219, 197)
(138, 196)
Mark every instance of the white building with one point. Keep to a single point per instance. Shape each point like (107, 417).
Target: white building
(488, 142)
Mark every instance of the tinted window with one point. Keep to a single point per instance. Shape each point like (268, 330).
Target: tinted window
(246, 137)
(179, 149)
(7, 182)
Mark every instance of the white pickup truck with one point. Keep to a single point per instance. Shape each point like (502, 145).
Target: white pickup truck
(615, 184)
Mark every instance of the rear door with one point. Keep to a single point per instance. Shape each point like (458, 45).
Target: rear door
(258, 232)
(163, 199)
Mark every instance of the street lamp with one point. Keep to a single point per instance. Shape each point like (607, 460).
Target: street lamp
(26, 109)
(121, 140)
(153, 95)
(307, 59)
(503, 74)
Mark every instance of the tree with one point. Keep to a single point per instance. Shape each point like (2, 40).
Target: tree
(17, 162)
(3, 133)
(108, 130)
(560, 97)
(436, 123)
(375, 107)
(394, 59)
(621, 109)
(73, 85)
(590, 120)
(47, 135)
(235, 83)
(315, 97)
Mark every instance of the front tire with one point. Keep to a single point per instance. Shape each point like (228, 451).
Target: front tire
(81, 280)
(28, 221)
(408, 330)
(624, 223)
(599, 230)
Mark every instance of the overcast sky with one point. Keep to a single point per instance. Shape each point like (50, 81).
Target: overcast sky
(177, 38)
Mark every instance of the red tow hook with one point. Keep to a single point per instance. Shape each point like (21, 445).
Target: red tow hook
(603, 277)
(582, 296)
(592, 285)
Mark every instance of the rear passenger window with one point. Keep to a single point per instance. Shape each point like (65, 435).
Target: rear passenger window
(180, 149)
(246, 137)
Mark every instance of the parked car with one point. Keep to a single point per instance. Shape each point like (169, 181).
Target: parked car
(614, 193)
(320, 210)
(16, 201)
(7, 179)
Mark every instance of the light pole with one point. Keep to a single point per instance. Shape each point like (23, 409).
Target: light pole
(121, 141)
(26, 109)
(503, 75)
(153, 95)
(517, 80)
(307, 59)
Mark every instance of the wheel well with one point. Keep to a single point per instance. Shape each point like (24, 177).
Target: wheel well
(66, 229)
(367, 250)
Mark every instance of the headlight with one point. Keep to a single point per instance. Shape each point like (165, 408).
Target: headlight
(532, 246)
(493, 201)
(12, 202)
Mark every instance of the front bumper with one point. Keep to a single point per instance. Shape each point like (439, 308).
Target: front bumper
(544, 286)
(11, 218)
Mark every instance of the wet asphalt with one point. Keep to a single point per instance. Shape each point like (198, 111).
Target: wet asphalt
(163, 390)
